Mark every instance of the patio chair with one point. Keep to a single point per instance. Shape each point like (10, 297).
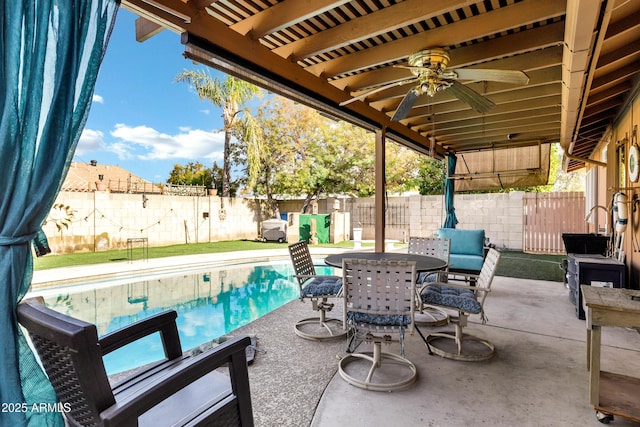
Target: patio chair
(178, 390)
(437, 247)
(318, 289)
(379, 302)
(467, 300)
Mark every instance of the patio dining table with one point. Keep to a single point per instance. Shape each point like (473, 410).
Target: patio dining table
(424, 263)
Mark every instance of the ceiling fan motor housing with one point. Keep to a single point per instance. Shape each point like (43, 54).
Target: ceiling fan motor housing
(435, 59)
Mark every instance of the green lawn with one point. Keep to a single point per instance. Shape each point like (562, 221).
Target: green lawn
(68, 260)
(512, 263)
(530, 266)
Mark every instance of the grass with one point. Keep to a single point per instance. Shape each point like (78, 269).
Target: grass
(512, 263)
(530, 266)
(84, 258)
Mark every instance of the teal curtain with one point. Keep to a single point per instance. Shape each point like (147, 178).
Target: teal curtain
(450, 219)
(51, 52)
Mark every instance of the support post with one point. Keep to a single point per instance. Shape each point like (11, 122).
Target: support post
(381, 190)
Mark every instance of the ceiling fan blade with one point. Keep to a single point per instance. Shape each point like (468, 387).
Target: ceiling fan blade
(405, 105)
(507, 76)
(378, 89)
(471, 97)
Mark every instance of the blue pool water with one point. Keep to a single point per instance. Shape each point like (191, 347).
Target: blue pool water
(210, 303)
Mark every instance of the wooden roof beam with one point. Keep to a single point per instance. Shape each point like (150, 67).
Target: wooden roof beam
(536, 78)
(283, 15)
(533, 110)
(447, 117)
(145, 29)
(500, 133)
(380, 22)
(471, 28)
(494, 49)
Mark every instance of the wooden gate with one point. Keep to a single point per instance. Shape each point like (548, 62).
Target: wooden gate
(547, 216)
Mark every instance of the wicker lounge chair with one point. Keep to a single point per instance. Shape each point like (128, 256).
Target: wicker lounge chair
(318, 289)
(466, 300)
(379, 298)
(176, 391)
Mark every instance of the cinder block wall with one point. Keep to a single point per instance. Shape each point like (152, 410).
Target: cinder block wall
(499, 214)
(103, 220)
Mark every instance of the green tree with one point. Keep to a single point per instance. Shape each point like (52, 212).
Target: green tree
(302, 153)
(190, 174)
(279, 164)
(347, 155)
(231, 95)
(566, 181)
(402, 168)
(432, 174)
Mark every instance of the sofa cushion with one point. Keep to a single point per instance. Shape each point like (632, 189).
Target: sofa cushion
(461, 262)
(464, 242)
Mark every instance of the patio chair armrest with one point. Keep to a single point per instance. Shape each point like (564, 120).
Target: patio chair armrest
(164, 323)
(232, 352)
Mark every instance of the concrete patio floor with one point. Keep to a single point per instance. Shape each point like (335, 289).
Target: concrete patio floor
(538, 377)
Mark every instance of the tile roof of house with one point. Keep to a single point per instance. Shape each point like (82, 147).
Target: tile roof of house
(86, 176)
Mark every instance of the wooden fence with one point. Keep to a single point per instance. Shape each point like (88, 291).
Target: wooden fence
(547, 216)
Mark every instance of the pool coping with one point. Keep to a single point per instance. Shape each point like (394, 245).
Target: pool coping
(123, 269)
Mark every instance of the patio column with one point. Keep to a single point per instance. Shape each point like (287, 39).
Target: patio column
(381, 189)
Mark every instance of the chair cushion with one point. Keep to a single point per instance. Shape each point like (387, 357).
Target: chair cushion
(379, 319)
(461, 299)
(460, 262)
(466, 242)
(427, 277)
(321, 286)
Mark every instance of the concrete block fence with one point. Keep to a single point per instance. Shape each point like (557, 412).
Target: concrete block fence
(96, 221)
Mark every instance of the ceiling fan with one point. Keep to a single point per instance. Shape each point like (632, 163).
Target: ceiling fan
(428, 67)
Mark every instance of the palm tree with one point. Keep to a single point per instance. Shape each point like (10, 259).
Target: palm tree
(231, 95)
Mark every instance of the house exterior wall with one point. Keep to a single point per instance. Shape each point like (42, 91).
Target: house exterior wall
(621, 134)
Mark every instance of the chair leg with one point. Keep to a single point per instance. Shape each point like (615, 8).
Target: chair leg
(426, 342)
(378, 360)
(429, 315)
(436, 346)
(320, 328)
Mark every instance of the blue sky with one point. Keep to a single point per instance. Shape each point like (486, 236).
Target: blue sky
(140, 118)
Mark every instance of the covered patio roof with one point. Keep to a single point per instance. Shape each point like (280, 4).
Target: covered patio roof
(582, 58)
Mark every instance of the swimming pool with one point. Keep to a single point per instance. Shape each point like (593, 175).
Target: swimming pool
(210, 303)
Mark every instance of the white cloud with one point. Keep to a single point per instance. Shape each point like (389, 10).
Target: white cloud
(147, 143)
(122, 150)
(90, 140)
(97, 98)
